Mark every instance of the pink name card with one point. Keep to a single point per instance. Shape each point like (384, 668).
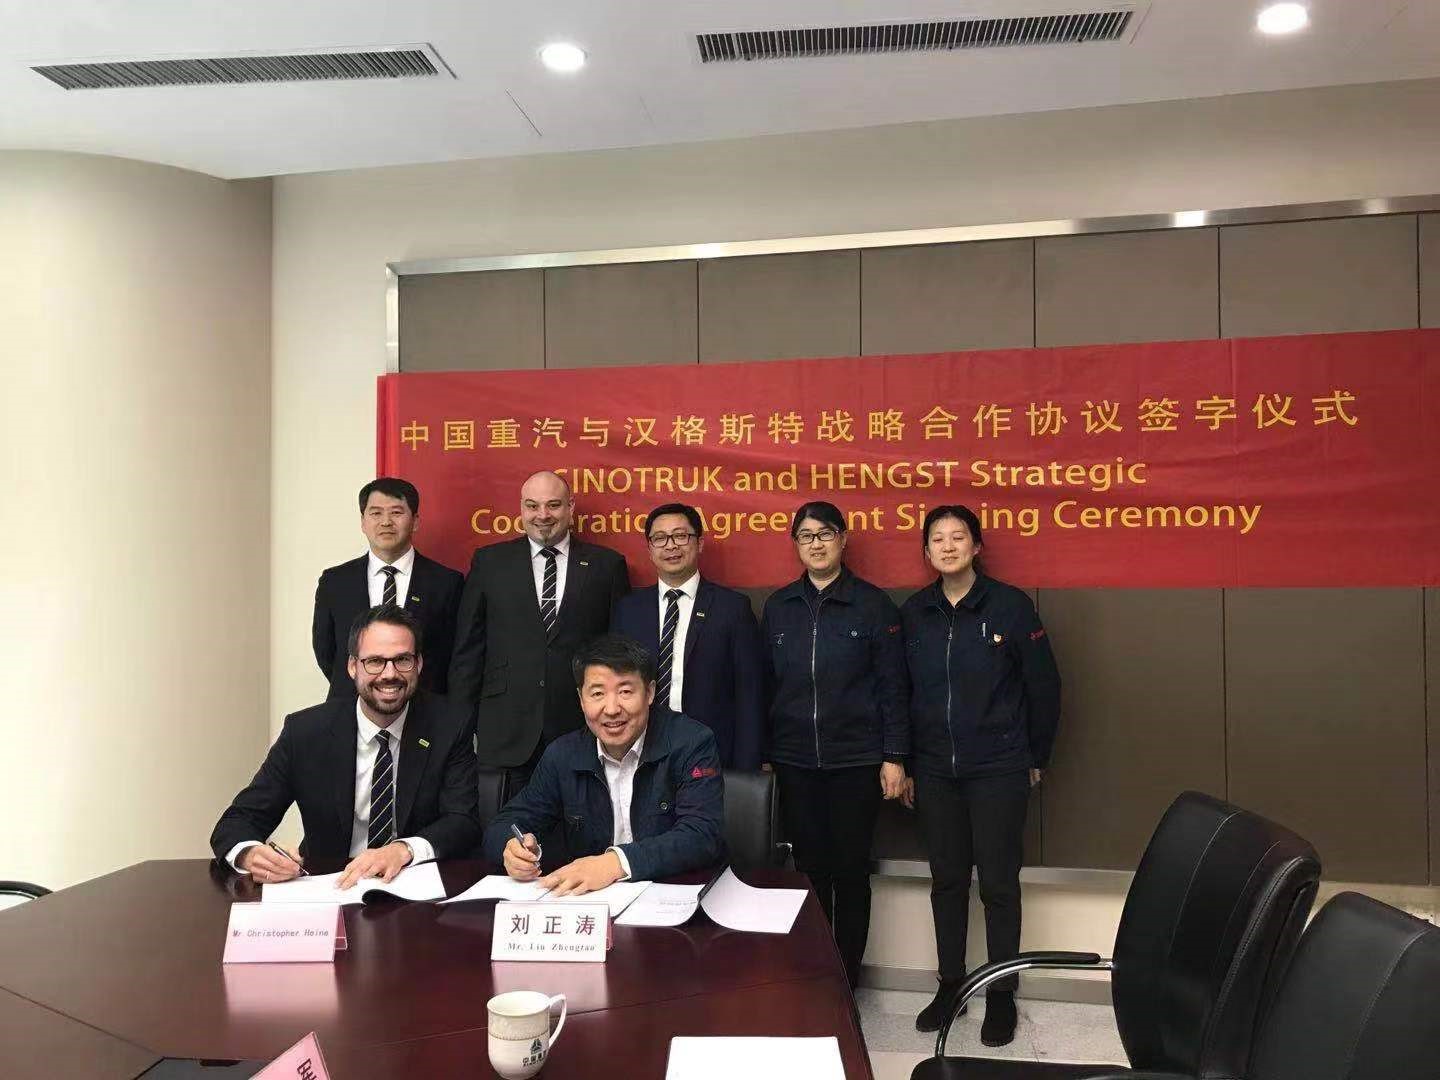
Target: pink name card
(283, 933)
(303, 1061)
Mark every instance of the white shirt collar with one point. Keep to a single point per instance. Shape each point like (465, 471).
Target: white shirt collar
(405, 563)
(562, 545)
(368, 729)
(690, 587)
(635, 750)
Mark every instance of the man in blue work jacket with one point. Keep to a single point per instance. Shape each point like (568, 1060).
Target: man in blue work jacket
(638, 793)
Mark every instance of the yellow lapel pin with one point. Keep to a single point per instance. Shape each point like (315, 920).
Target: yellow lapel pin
(425, 743)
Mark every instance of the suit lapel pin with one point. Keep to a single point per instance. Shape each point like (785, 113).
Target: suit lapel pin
(584, 563)
(425, 744)
(699, 614)
(414, 599)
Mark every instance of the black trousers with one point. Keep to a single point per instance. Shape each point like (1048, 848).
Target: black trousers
(829, 817)
(979, 823)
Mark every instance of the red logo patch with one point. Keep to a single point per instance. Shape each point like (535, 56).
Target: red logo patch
(698, 773)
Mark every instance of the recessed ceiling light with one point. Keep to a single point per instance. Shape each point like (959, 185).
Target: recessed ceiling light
(562, 56)
(1282, 19)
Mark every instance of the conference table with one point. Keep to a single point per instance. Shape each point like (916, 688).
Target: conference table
(107, 978)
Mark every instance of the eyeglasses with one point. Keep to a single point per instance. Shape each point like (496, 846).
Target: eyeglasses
(664, 540)
(374, 665)
(824, 536)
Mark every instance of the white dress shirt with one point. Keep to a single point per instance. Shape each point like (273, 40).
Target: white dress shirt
(620, 779)
(366, 751)
(537, 566)
(375, 580)
(686, 605)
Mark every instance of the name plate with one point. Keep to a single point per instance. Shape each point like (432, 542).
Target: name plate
(551, 931)
(284, 933)
(303, 1061)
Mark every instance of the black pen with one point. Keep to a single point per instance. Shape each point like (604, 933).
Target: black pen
(292, 858)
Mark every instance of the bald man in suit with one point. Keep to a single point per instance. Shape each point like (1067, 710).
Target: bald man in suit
(528, 604)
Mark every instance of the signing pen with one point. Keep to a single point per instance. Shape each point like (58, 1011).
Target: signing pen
(515, 831)
(282, 851)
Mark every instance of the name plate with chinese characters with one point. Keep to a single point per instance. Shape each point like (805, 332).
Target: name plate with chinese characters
(283, 933)
(551, 931)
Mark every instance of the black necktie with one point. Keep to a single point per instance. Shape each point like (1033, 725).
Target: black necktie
(667, 646)
(388, 596)
(382, 796)
(547, 589)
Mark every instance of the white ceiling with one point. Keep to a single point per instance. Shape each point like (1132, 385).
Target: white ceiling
(644, 84)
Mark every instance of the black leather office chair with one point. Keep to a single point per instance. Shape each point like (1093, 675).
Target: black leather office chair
(494, 792)
(1212, 916)
(1358, 1001)
(751, 811)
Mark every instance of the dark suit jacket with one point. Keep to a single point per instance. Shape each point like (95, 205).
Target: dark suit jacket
(677, 803)
(724, 686)
(343, 594)
(313, 763)
(505, 668)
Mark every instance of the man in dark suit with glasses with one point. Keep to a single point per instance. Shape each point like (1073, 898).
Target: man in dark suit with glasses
(703, 635)
(383, 779)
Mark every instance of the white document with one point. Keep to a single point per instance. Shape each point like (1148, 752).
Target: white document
(754, 1059)
(662, 905)
(499, 887)
(737, 906)
(618, 896)
(413, 883)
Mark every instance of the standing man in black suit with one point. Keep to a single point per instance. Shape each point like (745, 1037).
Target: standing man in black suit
(705, 636)
(528, 604)
(391, 572)
(384, 779)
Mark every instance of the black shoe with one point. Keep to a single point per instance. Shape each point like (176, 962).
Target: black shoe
(934, 1014)
(998, 1027)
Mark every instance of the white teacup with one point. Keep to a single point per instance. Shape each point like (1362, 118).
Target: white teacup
(519, 1029)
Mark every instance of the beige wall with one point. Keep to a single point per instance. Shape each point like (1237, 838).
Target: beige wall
(334, 232)
(136, 309)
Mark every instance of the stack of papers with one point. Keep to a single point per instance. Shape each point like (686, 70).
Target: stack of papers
(737, 906)
(754, 1059)
(663, 905)
(413, 883)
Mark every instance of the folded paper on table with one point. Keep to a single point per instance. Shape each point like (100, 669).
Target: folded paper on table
(618, 896)
(737, 906)
(283, 934)
(693, 1058)
(413, 883)
(301, 1060)
(662, 905)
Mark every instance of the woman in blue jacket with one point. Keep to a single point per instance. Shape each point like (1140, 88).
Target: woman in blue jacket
(984, 703)
(838, 731)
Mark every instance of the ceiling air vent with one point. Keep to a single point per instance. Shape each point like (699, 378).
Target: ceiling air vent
(389, 62)
(1073, 29)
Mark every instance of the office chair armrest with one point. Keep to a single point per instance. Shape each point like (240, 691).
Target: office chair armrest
(23, 888)
(982, 977)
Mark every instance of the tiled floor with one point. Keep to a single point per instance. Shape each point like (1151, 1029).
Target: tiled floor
(1048, 1031)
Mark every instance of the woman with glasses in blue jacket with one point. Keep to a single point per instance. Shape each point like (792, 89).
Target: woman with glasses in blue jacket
(984, 704)
(838, 730)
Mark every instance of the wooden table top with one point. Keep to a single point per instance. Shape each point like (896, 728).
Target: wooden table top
(135, 956)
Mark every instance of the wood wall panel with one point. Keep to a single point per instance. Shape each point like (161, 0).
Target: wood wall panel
(1325, 700)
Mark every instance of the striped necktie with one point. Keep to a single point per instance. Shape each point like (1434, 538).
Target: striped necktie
(548, 611)
(388, 596)
(667, 646)
(382, 795)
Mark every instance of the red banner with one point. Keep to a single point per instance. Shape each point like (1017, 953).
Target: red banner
(1267, 462)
